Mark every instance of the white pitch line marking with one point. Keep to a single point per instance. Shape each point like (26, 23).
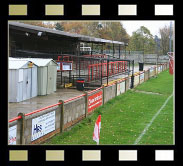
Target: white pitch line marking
(154, 117)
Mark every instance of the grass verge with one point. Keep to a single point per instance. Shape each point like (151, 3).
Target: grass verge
(124, 118)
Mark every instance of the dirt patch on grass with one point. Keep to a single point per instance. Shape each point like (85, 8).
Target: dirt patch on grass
(152, 93)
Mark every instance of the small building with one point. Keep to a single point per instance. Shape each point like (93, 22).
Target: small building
(22, 83)
(47, 75)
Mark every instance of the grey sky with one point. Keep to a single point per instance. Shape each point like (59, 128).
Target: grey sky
(153, 26)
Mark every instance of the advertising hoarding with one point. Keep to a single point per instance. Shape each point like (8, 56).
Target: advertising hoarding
(141, 77)
(94, 101)
(120, 88)
(43, 125)
(12, 135)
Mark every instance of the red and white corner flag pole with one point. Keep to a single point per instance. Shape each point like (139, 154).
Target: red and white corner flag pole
(96, 133)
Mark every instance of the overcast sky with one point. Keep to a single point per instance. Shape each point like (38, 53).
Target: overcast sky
(153, 26)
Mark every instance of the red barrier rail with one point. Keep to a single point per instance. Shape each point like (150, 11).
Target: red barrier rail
(94, 90)
(42, 109)
(94, 70)
(16, 118)
(36, 111)
(74, 98)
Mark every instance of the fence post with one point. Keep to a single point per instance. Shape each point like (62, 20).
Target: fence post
(86, 104)
(145, 75)
(125, 84)
(103, 94)
(148, 73)
(21, 128)
(61, 116)
(116, 83)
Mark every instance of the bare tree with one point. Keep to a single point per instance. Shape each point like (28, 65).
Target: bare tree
(165, 37)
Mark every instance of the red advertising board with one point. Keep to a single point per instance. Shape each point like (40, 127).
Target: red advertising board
(171, 66)
(94, 101)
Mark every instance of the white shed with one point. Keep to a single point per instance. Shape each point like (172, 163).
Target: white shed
(22, 83)
(47, 75)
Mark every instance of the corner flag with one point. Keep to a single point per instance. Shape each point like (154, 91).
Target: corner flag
(96, 133)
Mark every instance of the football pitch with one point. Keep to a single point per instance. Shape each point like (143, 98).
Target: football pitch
(143, 115)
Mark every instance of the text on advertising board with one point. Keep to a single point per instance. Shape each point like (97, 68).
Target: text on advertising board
(43, 125)
(120, 88)
(142, 77)
(94, 101)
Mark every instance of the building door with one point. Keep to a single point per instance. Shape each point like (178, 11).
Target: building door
(27, 84)
(50, 83)
(34, 82)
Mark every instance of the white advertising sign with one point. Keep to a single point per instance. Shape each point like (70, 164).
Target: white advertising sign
(151, 72)
(12, 135)
(161, 67)
(120, 88)
(66, 66)
(136, 80)
(141, 77)
(58, 65)
(43, 125)
(151, 69)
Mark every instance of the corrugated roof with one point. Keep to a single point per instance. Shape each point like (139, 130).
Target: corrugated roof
(62, 33)
(17, 64)
(37, 61)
